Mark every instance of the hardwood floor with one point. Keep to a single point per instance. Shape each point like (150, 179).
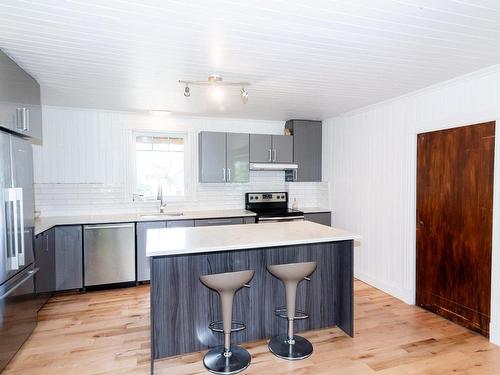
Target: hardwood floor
(107, 332)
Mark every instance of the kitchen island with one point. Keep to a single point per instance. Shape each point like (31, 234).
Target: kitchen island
(182, 307)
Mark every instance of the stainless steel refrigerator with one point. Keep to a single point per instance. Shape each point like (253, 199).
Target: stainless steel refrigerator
(18, 303)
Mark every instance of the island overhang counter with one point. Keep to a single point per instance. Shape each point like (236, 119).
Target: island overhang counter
(182, 307)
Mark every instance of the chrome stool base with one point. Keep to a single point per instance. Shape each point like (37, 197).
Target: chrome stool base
(217, 363)
(280, 347)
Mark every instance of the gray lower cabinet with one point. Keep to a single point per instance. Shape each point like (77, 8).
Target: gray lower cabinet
(58, 254)
(45, 261)
(249, 219)
(143, 262)
(20, 105)
(219, 221)
(212, 156)
(237, 157)
(69, 257)
(265, 148)
(307, 148)
(324, 218)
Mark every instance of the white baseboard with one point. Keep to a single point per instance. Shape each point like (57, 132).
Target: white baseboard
(495, 333)
(404, 295)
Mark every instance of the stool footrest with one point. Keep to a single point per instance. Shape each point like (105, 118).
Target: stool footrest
(282, 313)
(217, 326)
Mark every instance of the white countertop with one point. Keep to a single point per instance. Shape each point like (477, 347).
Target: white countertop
(44, 223)
(174, 241)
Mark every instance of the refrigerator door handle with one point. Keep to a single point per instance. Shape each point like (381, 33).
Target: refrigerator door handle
(13, 230)
(19, 196)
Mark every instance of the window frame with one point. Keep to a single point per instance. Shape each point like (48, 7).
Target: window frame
(187, 164)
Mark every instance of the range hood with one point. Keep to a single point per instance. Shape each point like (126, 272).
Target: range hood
(272, 166)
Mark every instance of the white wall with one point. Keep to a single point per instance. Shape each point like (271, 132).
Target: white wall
(370, 161)
(86, 163)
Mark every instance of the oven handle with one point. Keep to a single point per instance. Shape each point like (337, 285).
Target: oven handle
(288, 218)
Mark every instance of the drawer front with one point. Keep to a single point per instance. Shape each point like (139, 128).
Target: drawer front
(220, 221)
(180, 223)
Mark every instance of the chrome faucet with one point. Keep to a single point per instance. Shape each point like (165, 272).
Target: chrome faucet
(159, 196)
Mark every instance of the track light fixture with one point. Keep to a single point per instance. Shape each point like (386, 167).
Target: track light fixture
(215, 81)
(244, 95)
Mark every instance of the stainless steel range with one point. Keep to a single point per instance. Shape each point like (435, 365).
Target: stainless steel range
(271, 207)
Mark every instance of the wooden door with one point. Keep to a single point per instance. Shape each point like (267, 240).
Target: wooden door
(454, 223)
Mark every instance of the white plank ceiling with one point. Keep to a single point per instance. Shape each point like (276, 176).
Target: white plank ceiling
(304, 59)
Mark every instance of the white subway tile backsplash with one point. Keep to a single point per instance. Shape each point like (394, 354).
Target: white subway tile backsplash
(76, 199)
(85, 165)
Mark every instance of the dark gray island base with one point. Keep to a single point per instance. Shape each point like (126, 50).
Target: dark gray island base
(182, 307)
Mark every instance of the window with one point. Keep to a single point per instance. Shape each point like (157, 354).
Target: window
(160, 161)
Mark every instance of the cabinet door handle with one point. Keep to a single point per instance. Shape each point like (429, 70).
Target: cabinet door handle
(229, 174)
(107, 226)
(26, 120)
(22, 118)
(223, 174)
(270, 157)
(46, 242)
(275, 154)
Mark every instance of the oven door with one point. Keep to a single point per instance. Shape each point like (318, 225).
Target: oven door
(262, 220)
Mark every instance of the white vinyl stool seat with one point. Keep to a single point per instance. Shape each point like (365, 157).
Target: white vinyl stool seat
(290, 346)
(227, 359)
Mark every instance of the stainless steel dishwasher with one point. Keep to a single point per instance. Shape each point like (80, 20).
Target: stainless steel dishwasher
(109, 253)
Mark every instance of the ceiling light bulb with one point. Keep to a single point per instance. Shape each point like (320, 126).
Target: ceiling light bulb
(217, 93)
(244, 95)
(187, 92)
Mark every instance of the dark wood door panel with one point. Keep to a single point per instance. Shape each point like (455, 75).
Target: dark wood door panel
(454, 223)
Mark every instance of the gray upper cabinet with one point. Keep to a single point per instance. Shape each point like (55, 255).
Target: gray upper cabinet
(69, 257)
(143, 262)
(212, 156)
(20, 105)
(237, 154)
(266, 148)
(282, 149)
(307, 148)
(260, 148)
(223, 157)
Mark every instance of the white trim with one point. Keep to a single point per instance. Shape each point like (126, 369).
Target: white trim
(495, 260)
(495, 333)
(188, 189)
(394, 290)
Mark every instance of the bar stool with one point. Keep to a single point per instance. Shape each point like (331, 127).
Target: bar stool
(227, 358)
(290, 346)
